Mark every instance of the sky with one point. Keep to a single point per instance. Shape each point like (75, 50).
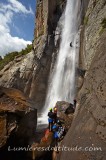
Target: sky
(17, 22)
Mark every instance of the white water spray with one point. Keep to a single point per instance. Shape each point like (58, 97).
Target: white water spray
(62, 84)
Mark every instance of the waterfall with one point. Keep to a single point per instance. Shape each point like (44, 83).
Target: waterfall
(62, 79)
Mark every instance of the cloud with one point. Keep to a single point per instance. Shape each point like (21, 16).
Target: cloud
(15, 6)
(18, 7)
(9, 43)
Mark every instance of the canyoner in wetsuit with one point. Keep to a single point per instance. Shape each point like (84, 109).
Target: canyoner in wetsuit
(74, 104)
(71, 44)
(55, 132)
(50, 119)
(58, 132)
(55, 114)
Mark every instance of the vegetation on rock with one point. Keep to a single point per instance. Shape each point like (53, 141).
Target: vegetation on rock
(86, 20)
(103, 23)
(11, 56)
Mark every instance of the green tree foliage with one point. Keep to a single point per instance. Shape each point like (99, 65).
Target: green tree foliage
(11, 56)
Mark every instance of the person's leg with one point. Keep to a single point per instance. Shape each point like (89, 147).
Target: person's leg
(50, 127)
(56, 144)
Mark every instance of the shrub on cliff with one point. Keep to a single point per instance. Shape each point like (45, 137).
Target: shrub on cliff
(103, 26)
(11, 56)
(103, 23)
(86, 20)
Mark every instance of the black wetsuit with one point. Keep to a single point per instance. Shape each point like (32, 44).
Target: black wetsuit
(51, 119)
(71, 44)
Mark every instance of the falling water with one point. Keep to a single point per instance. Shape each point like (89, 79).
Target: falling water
(62, 85)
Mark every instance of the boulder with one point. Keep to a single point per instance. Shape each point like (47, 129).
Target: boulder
(65, 113)
(17, 118)
(70, 109)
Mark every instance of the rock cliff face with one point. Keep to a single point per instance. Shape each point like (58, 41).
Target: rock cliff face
(89, 126)
(45, 46)
(16, 73)
(30, 73)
